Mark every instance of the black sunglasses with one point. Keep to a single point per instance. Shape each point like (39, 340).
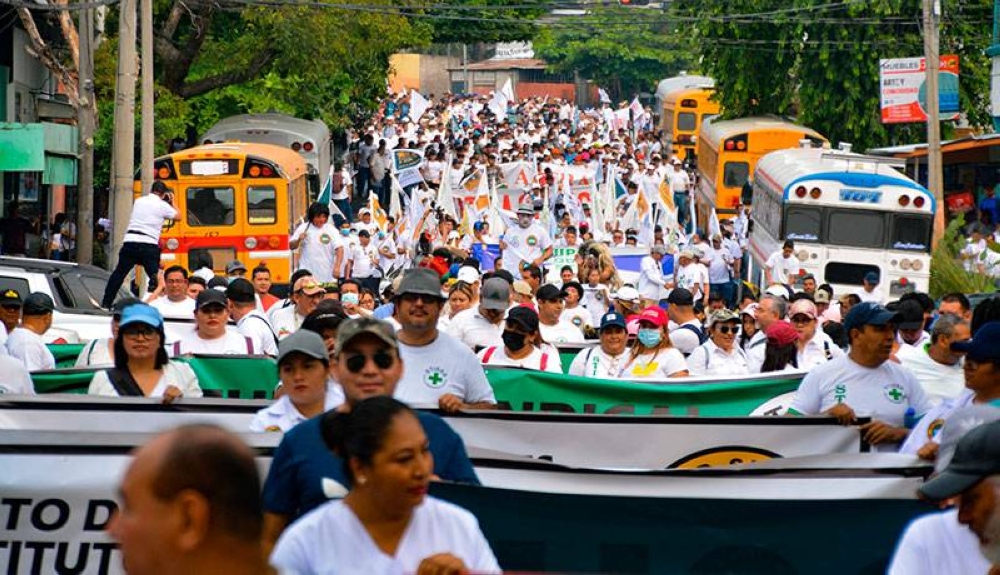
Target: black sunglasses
(728, 329)
(382, 359)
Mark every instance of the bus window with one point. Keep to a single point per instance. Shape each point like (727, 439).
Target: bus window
(687, 121)
(211, 206)
(735, 174)
(856, 228)
(849, 274)
(911, 233)
(802, 224)
(262, 205)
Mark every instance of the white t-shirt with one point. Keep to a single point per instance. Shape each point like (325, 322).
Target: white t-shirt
(597, 300)
(577, 316)
(710, 359)
(146, 221)
(689, 278)
(940, 382)
(820, 349)
(362, 257)
(16, 379)
(443, 366)
(874, 296)
(524, 244)
(175, 373)
(680, 181)
(384, 262)
(256, 326)
(650, 278)
(928, 429)
(285, 321)
(937, 543)
(781, 267)
(474, 330)
(561, 332)
(29, 348)
(884, 393)
(662, 364)
(183, 309)
(331, 540)
(231, 343)
(497, 355)
(595, 362)
(282, 415)
(95, 352)
(318, 250)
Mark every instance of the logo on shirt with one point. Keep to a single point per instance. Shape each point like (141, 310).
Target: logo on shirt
(435, 377)
(325, 239)
(577, 321)
(894, 392)
(513, 241)
(934, 428)
(532, 241)
(840, 392)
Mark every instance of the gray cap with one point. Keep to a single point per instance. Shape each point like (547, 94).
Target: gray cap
(495, 294)
(420, 281)
(658, 249)
(527, 208)
(234, 266)
(305, 342)
(352, 328)
(38, 303)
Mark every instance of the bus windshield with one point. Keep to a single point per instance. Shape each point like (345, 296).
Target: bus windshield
(803, 224)
(856, 228)
(687, 121)
(911, 232)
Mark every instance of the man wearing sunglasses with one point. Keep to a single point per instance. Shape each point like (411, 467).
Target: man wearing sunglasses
(440, 370)
(305, 474)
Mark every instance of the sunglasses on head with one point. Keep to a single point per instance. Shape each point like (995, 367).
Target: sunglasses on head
(356, 362)
(724, 329)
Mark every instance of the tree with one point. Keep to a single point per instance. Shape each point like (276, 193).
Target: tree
(624, 50)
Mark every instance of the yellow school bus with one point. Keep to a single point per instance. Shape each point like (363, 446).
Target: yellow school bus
(683, 112)
(728, 151)
(237, 201)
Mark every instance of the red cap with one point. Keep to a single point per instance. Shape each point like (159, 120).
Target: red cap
(655, 315)
(781, 333)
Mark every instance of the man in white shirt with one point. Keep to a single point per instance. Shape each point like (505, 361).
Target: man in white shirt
(815, 347)
(306, 295)
(782, 267)
(174, 302)
(362, 258)
(482, 326)
(686, 331)
(934, 364)
(687, 275)
(720, 268)
(651, 281)
(25, 342)
(250, 322)
(869, 291)
(770, 309)
(911, 324)
(606, 360)
(865, 382)
(141, 244)
(527, 244)
(553, 328)
(210, 335)
(680, 184)
(971, 253)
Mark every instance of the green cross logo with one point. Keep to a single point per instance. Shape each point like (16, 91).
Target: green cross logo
(435, 377)
(324, 239)
(894, 392)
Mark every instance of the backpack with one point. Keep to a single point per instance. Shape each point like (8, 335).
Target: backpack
(492, 349)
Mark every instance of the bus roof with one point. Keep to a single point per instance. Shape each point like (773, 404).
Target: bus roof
(273, 121)
(716, 131)
(668, 85)
(690, 92)
(290, 162)
(787, 168)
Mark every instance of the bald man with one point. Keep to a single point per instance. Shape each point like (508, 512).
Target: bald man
(190, 503)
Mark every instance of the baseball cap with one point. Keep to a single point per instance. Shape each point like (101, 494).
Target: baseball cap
(977, 456)
(627, 293)
(872, 278)
(750, 310)
(235, 266)
(548, 292)
(305, 342)
(524, 317)
(241, 291)
(572, 284)
(210, 297)
(420, 281)
(141, 313)
(686, 254)
(353, 328)
(722, 316)
(821, 296)
(802, 307)
(781, 332)
(38, 303)
(495, 294)
(526, 208)
(911, 314)
(521, 287)
(658, 249)
(308, 286)
(467, 274)
(10, 297)
(984, 345)
(655, 315)
(680, 296)
(612, 319)
(868, 313)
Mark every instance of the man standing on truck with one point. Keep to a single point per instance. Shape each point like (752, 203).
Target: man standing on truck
(141, 244)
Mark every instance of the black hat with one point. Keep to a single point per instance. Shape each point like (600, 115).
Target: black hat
(119, 306)
(680, 296)
(210, 297)
(911, 314)
(38, 303)
(548, 292)
(10, 297)
(524, 317)
(241, 291)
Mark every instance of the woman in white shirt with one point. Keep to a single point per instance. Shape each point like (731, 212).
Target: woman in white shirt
(720, 355)
(522, 344)
(386, 523)
(321, 249)
(141, 364)
(653, 356)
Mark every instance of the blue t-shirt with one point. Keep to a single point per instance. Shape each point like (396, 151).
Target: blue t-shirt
(302, 463)
(992, 207)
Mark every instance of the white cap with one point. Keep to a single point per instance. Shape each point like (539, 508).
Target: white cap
(468, 274)
(627, 293)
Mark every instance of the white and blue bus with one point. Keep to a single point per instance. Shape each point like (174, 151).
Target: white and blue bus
(848, 215)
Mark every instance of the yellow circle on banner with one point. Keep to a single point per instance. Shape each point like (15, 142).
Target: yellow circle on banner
(722, 456)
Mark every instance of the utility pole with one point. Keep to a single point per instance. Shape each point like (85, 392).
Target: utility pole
(123, 148)
(935, 176)
(146, 129)
(465, 68)
(85, 120)
(994, 53)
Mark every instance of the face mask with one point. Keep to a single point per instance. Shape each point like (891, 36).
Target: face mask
(349, 297)
(650, 337)
(513, 341)
(381, 235)
(345, 232)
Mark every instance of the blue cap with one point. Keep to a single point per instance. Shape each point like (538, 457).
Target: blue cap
(868, 313)
(612, 319)
(141, 313)
(984, 345)
(871, 277)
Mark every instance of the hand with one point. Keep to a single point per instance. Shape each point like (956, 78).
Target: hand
(171, 394)
(843, 412)
(928, 452)
(450, 403)
(442, 564)
(877, 432)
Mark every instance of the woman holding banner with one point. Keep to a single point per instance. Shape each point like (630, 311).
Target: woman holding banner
(652, 355)
(522, 344)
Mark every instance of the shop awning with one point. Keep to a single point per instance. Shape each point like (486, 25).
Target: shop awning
(44, 147)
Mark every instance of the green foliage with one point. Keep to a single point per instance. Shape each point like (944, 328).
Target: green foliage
(822, 64)
(948, 273)
(623, 50)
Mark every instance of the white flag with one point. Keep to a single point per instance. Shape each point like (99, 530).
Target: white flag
(508, 91)
(418, 105)
(636, 107)
(605, 99)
